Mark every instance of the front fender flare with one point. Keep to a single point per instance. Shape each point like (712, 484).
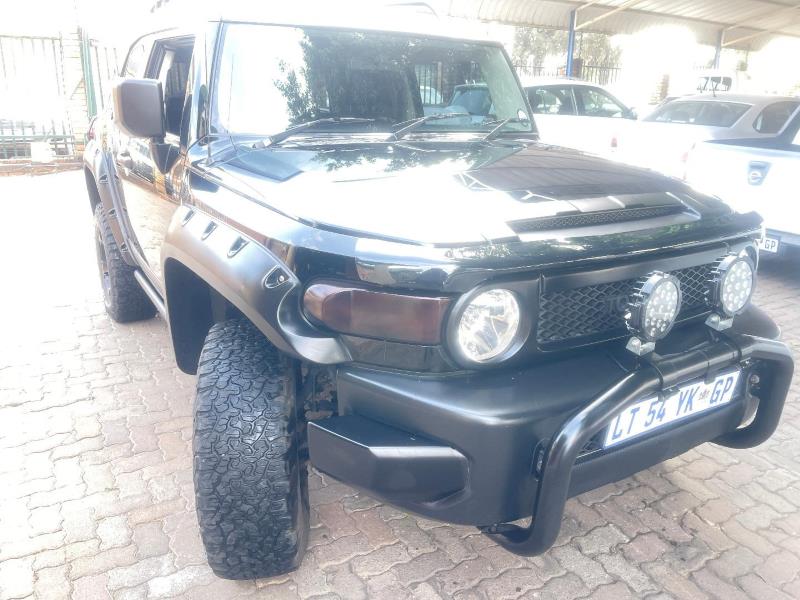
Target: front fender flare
(107, 184)
(248, 276)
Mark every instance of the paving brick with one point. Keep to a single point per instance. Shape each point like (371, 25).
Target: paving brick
(734, 563)
(140, 572)
(613, 591)
(716, 587)
(102, 562)
(337, 522)
(452, 544)
(567, 586)
(150, 539)
(94, 587)
(757, 588)
(113, 532)
(602, 539)
(380, 560)
(779, 568)
(618, 567)
(421, 567)
(52, 583)
(511, 584)
(590, 571)
(673, 583)
(464, 576)
(167, 586)
(16, 578)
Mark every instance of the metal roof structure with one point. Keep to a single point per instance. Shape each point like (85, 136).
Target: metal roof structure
(740, 24)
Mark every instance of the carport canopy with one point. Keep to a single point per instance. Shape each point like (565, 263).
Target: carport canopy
(739, 24)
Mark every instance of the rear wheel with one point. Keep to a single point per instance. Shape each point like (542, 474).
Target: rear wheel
(123, 297)
(251, 483)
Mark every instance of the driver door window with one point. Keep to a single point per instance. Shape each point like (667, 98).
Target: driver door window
(174, 58)
(593, 102)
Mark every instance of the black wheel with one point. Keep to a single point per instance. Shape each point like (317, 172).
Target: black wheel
(124, 298)
(250, 477)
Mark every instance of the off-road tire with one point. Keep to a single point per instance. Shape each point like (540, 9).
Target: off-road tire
(250, 478)
(123, 297)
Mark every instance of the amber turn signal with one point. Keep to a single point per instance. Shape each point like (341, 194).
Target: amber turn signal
(382, 315)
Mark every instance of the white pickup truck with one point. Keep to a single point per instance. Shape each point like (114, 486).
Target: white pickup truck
(761, 174)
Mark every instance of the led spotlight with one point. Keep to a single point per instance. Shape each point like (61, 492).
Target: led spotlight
(730, 289)
(653, 311)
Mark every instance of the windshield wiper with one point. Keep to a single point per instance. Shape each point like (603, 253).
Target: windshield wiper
(500, 125)
(409, 126)
(277, 138)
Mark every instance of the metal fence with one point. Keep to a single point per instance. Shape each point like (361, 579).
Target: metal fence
(33, 101)
(105, 65)
(599, 74)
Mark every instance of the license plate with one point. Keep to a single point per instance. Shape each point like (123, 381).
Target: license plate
(688, 400)
(769, 244)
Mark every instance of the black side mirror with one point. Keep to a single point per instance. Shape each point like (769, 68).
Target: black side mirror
(631, 114)
(139, 108)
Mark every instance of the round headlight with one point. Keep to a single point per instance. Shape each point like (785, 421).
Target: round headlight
(733, 284)
(488, 325)
(655, 307)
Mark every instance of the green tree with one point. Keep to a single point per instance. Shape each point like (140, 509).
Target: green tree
(533, 44)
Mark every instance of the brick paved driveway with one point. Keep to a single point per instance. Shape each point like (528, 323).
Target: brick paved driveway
(95, 472)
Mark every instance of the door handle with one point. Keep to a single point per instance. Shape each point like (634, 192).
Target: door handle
(756, 172)
(124, 159)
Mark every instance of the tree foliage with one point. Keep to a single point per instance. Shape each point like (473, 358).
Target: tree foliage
(533, 44)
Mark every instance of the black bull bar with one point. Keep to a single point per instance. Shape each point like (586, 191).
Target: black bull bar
(654, 375)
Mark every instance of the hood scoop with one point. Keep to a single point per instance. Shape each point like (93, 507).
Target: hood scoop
(608, 210)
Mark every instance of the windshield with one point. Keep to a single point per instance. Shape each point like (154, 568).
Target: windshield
(272, 78)
(701, 112)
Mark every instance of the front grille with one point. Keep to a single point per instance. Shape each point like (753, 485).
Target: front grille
(597, 310)
(587, 219)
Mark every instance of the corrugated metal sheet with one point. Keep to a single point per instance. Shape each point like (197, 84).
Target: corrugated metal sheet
(740, 18)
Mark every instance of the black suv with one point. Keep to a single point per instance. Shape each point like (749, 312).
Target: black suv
(420, 301)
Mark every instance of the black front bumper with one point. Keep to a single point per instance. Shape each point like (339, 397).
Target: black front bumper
(488, 448)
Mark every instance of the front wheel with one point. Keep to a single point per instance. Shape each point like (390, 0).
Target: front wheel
(250, 481)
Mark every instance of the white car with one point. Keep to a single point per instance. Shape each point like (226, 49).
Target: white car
(662, 140)
(756, 174)
(578, 114)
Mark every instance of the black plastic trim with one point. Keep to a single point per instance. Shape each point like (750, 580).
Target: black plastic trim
(386, 460)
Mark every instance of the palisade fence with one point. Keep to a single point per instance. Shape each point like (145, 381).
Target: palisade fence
(50, 87)
(598, 74)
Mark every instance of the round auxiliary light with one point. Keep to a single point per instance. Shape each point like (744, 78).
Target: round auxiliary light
(655, 307)
(732, 284)
(488, 325)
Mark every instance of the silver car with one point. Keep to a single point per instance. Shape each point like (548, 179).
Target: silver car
(662, 140)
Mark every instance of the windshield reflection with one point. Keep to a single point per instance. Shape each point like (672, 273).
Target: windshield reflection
(274, 78)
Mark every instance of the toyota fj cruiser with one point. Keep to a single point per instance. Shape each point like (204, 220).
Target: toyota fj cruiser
(420, 301)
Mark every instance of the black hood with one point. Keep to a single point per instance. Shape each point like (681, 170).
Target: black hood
(464, 193)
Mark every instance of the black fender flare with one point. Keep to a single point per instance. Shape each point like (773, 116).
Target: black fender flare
(107, 183)
(247, 275)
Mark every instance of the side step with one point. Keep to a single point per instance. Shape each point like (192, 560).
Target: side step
(385, 461)
(151, 293)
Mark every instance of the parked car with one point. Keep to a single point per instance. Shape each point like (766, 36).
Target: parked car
(439, 311)
(578, 114)
(662, 140)
(759, 174)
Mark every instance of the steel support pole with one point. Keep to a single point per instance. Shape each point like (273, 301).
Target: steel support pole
(718, 49)
(573, 22)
